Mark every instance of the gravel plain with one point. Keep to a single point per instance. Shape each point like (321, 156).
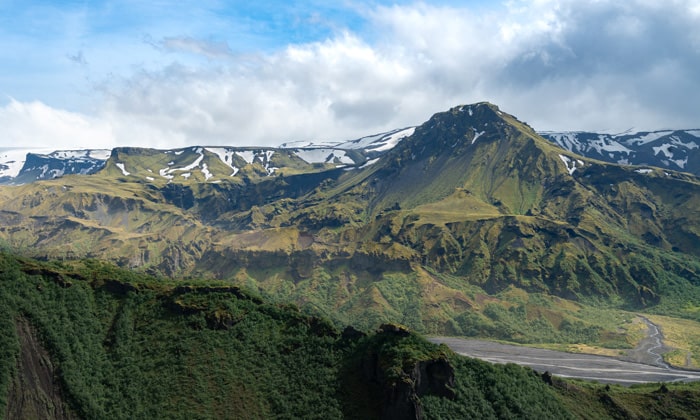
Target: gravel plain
(649, 366)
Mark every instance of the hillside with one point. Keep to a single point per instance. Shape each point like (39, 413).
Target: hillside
(473, 225)
(87, 340)
(105, 343)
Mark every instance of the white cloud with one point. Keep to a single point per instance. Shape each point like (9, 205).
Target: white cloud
(557, 64)
(34, 124)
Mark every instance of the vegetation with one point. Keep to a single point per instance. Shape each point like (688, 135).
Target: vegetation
(124, 345)
(474, 226)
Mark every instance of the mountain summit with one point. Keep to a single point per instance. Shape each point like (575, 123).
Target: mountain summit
(478, 148)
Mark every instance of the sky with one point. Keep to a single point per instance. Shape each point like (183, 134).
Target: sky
(167, 74)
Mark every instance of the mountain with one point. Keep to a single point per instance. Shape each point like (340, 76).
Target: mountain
(20, 166)
(678, 150)
(212, 164)
(472, 225)
(673, 149)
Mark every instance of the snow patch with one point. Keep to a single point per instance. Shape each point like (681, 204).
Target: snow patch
(167, 172)
(194, 164)
(150, 178)
(100, 154)
(477, 134)
(370, 162)
(569, 163)
(648, 137)
(392, 140)
(247, 155)
(121, 166)
(676, 141)
(323, 156)
(568, 141)
(205, 171)
(225, 155)
(680, 162)
(664, 148)
(12, 161)
(644, 171)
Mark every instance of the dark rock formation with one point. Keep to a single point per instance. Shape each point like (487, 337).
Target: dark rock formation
(35, 392)
(401, 395)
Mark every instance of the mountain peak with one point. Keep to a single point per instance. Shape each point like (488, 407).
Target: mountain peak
(480, 111)
(475, 147)
(463, 126)
(478, 107)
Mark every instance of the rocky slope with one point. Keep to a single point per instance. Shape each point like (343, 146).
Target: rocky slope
(678, 150)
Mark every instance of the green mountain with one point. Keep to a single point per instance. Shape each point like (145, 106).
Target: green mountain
(84, 339)
(473, 225)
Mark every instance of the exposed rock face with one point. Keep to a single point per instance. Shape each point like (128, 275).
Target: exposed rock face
(434, 377)
(35, 392)
(401, 396)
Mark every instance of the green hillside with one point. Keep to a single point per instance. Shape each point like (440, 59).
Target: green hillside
(87, 340)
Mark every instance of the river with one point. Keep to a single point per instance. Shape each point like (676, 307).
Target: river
(645, 363)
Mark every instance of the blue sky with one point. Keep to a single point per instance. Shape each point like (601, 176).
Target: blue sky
(172, 73)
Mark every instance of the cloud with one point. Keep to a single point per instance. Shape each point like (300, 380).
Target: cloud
(210, 49)
(557, 64)
(34, 124)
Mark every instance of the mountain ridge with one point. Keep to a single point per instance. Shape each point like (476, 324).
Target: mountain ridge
(40, 164)
(669, 149)
(473, 204)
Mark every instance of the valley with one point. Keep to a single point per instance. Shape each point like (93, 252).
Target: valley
(641, 364)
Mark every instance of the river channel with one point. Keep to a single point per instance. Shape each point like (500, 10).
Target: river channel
(643, 364)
